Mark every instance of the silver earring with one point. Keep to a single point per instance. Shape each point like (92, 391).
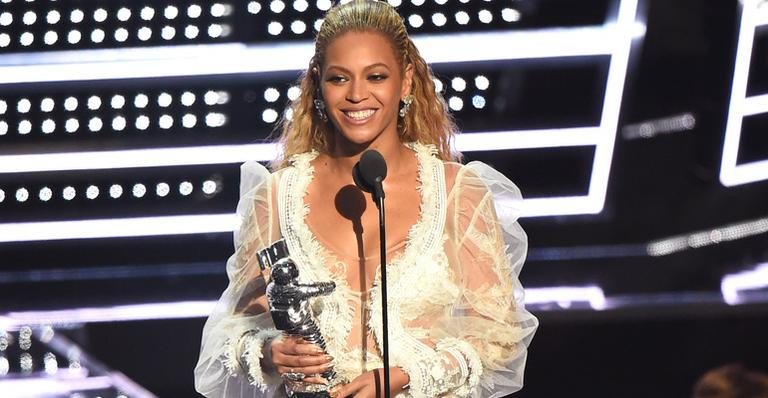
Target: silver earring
(407, 101)
(320, 109)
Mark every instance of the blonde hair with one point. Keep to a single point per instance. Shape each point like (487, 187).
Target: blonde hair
(427, 120)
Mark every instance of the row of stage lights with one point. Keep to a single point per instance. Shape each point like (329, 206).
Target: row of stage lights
(118, 102)
(47, 105)
(24, 24)
(219, 10)
(124, 14)
(438, 19)
(209, 188)
(121, 35)
(98, 35)
(119, 123)
(26, 364)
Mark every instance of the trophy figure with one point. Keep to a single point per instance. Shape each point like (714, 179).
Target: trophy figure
(291, 313)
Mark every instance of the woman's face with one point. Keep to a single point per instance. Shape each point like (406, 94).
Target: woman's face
(362, 86)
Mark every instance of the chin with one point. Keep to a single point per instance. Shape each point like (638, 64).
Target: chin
(358, 136)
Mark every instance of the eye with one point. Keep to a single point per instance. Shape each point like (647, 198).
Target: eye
(337, 79)
(378, 77)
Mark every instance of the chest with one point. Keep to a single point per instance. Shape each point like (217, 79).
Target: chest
(346, 220)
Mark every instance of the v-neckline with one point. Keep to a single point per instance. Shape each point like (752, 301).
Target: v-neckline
(319, 253)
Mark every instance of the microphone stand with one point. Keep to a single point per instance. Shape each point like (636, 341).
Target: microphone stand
(383, 268)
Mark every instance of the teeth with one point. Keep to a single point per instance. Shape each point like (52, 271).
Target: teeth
(359, 115)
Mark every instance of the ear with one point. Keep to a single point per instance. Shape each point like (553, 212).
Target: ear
(405, 89)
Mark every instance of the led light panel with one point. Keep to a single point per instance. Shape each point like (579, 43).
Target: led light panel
(731, 172)
(234, 58)
(564, 295)
(735, 286)
(614, 39)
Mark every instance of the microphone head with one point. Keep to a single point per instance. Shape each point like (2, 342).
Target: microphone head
(370, 171)
(358, 179)
(373, 167)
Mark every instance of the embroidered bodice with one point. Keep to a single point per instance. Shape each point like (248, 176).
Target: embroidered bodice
(421, 259)
(457, 324)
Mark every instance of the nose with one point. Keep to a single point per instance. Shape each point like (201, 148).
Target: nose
(358, 91)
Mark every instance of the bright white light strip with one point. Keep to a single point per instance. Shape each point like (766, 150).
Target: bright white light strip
(731, 173)
(708, 237)
(626, 31)
(52, 386)
(134, 312)
(224, 59)
(733, 284)
(617, 39)
(756, 105)
(158, 157)
(118, 227)
(527, 139)
(224, 154)
(561, 206)
(197, 309)
(566, 296)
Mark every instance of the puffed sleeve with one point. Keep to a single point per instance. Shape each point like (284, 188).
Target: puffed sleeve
(482, 339)
(229, 364)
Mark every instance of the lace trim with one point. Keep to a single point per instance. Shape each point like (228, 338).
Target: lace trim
(249, 361)
(253, 355)
(469, 361)
(333, 312)
(424, 237)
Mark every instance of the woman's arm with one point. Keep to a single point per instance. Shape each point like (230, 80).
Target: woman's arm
(479, 346)
(231, 354)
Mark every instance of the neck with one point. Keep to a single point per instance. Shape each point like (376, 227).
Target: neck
(343, 158)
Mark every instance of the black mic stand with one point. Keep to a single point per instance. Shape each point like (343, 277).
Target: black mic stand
(379, 194)
(368, 174)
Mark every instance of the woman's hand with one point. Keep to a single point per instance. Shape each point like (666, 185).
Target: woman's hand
(292, 354)
(371, 384)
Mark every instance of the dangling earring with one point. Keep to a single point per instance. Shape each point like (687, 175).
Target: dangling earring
(407, 101)
(320, 109)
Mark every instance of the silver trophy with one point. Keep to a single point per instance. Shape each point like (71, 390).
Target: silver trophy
(291, 312)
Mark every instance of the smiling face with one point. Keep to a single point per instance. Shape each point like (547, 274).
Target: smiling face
(362, 85)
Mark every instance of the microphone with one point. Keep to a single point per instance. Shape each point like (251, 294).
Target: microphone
(368, 174)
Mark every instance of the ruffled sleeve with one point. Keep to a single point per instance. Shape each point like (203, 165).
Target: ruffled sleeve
(229, 363)
(483, 339)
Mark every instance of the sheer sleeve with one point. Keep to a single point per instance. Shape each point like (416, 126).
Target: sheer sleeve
(481, 342)
(229, 364)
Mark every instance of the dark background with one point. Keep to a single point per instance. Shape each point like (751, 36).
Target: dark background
(668, 324)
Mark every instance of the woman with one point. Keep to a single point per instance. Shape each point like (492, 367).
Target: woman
(457, 326)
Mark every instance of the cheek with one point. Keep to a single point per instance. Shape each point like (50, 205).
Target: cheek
(330, 94)
(390, 95)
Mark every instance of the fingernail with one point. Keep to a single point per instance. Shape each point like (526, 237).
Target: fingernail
(330, 358)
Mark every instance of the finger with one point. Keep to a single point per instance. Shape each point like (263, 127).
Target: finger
(315, 380)
(311, 370)
(300, 350)
(298, 361)
(347, 390)
(305, 349)
(294, 365)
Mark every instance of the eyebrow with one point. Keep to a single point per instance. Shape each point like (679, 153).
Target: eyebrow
(345, 70)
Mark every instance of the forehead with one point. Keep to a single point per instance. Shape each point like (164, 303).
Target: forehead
(360, 49)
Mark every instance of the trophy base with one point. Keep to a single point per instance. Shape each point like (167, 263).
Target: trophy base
(323, 394)
(305, 390)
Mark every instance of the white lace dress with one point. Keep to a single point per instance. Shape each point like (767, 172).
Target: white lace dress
(457, 324)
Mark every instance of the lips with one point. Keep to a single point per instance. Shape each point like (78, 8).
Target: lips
(360, 115)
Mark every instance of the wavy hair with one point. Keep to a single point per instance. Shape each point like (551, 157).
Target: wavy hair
(427, 120)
